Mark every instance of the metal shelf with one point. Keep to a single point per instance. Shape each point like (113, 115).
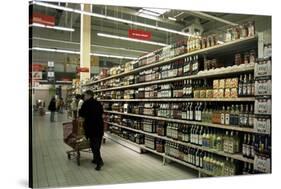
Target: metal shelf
(224, 71)
(234, 156)
(223, 47)
(229, 127)
(240, 99)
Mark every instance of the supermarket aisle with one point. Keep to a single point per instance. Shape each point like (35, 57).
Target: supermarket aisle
(52, 168)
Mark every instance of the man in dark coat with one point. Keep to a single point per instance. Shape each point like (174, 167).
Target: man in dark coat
(92, 111)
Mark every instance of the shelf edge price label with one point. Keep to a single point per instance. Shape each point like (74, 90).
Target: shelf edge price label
(51, 64)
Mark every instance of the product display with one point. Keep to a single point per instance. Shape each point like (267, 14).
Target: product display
(214, 118)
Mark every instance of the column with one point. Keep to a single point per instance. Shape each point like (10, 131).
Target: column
(85, 42)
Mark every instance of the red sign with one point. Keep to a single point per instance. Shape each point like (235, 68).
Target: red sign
(37, 67)
(139, 34)
(43, 19)
(82, 69)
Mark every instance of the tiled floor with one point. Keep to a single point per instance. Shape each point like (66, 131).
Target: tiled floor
(51, 168)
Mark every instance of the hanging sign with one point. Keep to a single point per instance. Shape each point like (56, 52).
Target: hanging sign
(36, 75)
(139, 34)
(82, 69)
(43, 19)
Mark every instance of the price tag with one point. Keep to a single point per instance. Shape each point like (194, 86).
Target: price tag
(262, 125)
(263, 106)
(263, 68)
(51, 64)
(263, 87)
(51, 74)
(262, 164)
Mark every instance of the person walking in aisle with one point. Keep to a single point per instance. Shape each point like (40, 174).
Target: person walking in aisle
(52, 109)
(61, 105)
(92, 111)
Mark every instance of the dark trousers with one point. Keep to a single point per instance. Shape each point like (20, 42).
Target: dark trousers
(95, 144)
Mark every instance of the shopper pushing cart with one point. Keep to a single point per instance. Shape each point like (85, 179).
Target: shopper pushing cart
(92, 111)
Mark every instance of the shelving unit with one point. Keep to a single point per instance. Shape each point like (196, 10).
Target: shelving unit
(218, 73)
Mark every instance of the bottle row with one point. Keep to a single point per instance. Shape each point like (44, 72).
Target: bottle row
(215, 164)
(182, 67)
(243, 86)
(216, 139)
(234, 114)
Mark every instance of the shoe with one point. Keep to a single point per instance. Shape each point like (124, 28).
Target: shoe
(98, 167)
(94, 161)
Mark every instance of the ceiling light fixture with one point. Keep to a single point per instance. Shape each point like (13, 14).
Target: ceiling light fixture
(172, 18)
(76, 43)
(76, 52)
(51, 27)
(130, 39)
(113, 56)
(111, 18)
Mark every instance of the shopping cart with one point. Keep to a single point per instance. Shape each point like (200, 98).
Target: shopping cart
(73, 136)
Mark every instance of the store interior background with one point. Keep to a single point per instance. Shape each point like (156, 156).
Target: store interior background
(65, 63)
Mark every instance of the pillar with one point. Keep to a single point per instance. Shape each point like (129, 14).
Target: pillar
(85, 42)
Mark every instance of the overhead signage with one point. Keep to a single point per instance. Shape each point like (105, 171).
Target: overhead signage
(43, 19)
(36, 75)
(139, 34)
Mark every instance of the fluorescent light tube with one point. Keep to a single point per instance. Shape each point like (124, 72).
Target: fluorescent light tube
(76, 52)
(113, 56)
(130, 39)
(51, 27)
(111, 18)
(172, 18)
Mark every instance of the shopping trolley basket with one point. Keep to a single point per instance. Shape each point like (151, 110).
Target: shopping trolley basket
(74, 136)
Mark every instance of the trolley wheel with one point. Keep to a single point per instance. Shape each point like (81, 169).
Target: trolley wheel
(78, 158)
(68, 156)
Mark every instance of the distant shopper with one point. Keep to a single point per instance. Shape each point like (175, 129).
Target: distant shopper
(52, 109)
(80, 102)
(92, 111)
(61, 105)
(73, 106)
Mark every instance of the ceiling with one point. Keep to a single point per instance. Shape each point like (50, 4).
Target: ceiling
(49, 38)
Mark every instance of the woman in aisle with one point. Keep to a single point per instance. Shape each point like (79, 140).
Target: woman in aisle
(61, 105)
(52, 109)
(92, 111)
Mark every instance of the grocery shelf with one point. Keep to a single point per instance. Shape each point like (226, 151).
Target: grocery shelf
(239, 99)
(234, 156)
(124, 142)
(177, 161)
(219, 72)
(217, 48)
(229, 127)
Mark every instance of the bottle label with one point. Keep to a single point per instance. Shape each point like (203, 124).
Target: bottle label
(222, 118)
(248, 151)
(227, 119)
(200, 140)
(244, 92)
(249, 89)
(199, 115)
(191, 114)
(183, 115)
(252, 152)
(244, 149)
(197, 161)
(240, 92)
